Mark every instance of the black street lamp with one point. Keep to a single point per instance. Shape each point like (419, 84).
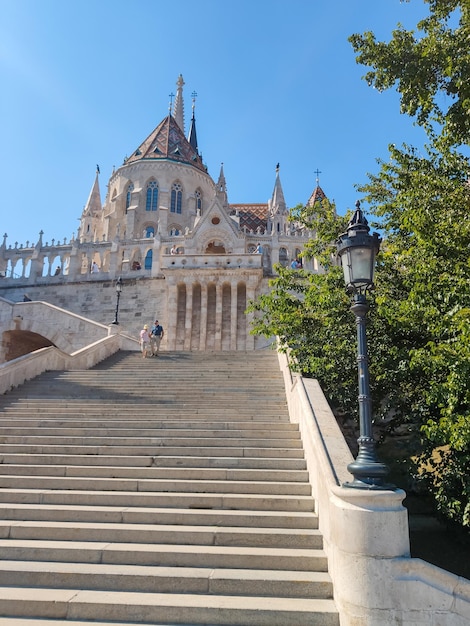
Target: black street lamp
(118, 295)
(357, 250)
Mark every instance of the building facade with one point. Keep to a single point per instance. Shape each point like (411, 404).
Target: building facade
(166, 227)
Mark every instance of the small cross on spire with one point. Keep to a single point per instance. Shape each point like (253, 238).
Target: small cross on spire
(317, 172)
(171, 96)
(194, 96)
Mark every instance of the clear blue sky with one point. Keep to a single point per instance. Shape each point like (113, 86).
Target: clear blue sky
(85, 81)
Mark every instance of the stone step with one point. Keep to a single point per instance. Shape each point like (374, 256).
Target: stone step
(158, 533)
(95, 483)
(161, 440)
(105, 460)
(137, 411)
(147, 425)
(165, 555)
(164, 579)
(154, 450)
(161, 608)
(182, 502)
(245, 502)
(138, 515)
(172, 473)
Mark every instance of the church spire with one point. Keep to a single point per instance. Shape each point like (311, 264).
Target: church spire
(178, 111)
(222, 187)
(93, 205)
(278, 203)
(192, 137)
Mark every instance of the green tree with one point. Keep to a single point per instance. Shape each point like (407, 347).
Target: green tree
(430, 70)
(419, 324)
(423, 293)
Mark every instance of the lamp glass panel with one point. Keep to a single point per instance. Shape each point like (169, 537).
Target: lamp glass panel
(346, 263)
(362, 265)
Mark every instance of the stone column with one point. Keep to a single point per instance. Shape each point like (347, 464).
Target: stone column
(172, 316)
(249, 339)
(233, 315)
(203, 335)
(218, 316)
(188, 316)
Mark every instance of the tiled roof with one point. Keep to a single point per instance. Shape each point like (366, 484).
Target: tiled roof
(252, 216)
(318, 194)
(167, 141)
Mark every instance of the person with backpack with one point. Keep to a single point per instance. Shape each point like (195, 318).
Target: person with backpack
(156, 335)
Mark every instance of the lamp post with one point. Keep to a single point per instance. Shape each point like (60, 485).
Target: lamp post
(357, 250)
(118, 295)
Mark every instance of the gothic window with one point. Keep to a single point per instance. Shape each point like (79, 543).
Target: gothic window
(130, 189)
(152, 196)
(198, 197)
(148, 260)
(150, 231)
(174, 231)
(176, 198)
(283, 258)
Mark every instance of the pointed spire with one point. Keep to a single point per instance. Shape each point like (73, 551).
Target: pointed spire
(222, 187)
(221, 183)
(192, 137)
(93, 205)
(178, 111)
(278, 203)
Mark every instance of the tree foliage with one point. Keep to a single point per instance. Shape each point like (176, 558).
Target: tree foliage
(430, 69)
(419, 322)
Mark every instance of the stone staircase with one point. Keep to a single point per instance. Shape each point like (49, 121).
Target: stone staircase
(162, 491)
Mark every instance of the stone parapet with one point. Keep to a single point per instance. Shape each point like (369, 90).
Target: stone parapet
(366, 537)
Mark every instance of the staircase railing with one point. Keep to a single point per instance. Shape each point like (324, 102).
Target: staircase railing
(365, 533)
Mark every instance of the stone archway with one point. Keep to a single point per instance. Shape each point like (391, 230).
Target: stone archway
(16, 343)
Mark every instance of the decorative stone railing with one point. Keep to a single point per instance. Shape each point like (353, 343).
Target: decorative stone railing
(211, 261)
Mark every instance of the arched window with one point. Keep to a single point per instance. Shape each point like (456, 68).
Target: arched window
(176, 198)
(198, 197)
(150, 231)
(130, 189)
(174, 231)
(152, 196)
(148, 260)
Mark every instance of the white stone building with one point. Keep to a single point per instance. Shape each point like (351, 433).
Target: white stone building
(185, 254)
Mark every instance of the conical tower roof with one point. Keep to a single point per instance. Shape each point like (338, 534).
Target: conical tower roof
(167, 142)
(317, 195)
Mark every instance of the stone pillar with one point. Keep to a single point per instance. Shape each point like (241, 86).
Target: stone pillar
(188, 316)
(172, 316)
(233, 316)
(218, 316)
(368, 535)
(203, 335)
(249, 339)
(130, 223)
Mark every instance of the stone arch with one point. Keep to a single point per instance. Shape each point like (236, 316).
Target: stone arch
(16, 343)
(215, 235)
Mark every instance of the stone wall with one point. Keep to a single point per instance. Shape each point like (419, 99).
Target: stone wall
(141, 302)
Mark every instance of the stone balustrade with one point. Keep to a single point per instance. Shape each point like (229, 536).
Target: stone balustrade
(211, 261)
